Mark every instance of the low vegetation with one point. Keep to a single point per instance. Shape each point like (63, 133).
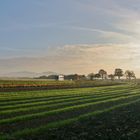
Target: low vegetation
(109, 112)
(32, 85)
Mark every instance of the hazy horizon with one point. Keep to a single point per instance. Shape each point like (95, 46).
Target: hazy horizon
(69, 36)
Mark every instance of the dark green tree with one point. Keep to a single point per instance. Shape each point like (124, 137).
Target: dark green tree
(91, 76)
(103, 73)
(111, 76)
(130, 74)
(118, 72)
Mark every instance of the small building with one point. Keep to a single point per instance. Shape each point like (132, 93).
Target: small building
(61, 77)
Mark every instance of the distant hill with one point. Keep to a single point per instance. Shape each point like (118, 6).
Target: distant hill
(27, 74)
(49, 73)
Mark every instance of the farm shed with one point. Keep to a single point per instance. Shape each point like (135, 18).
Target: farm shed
(61, 77)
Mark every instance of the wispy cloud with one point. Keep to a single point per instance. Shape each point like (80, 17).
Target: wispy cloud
(105, 34)
(123, 19)
(113, 24)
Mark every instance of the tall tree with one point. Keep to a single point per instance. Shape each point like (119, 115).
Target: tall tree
(130, 74)
(91, 76)
(103, 73)
(118, 72)
(111, 76)
(97, 75)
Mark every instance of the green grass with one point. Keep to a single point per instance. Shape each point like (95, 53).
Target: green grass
(43, 114)
(60, 103)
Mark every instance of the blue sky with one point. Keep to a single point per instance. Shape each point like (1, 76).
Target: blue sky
(41, 28)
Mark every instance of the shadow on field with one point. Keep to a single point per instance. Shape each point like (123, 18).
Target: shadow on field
(119, 124)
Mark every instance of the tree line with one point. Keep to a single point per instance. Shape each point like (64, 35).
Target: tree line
(128, 74)
(101, 74)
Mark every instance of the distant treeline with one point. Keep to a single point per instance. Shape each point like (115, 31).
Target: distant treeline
(65, 77)
(101, 74)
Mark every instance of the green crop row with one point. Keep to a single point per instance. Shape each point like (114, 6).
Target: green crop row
(24, 114)
(56, 105)
(35, 99)
(46, 113)
(34, 132)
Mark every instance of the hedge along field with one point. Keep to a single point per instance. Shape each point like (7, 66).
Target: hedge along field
(53, 114)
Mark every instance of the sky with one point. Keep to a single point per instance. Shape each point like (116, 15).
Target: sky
(69, 36)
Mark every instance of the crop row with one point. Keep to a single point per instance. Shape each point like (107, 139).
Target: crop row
(54, 100)
(58, 108)
(32, 94)
(48, 116)
(28, 96)
(32, 132)
(46, 106)
(38, 131)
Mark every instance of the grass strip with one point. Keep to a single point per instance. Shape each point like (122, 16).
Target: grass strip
(7, 107)
(55, 112)
(60, 104)
(33, 132)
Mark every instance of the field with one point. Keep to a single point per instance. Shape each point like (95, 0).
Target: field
(108, 112)
(39, 82)
(32, 82)
(36, 84)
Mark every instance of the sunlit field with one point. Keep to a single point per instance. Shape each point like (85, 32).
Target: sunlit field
(31, 84)
(109, 112)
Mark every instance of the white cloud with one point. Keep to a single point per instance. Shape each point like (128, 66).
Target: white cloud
(84, 58)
